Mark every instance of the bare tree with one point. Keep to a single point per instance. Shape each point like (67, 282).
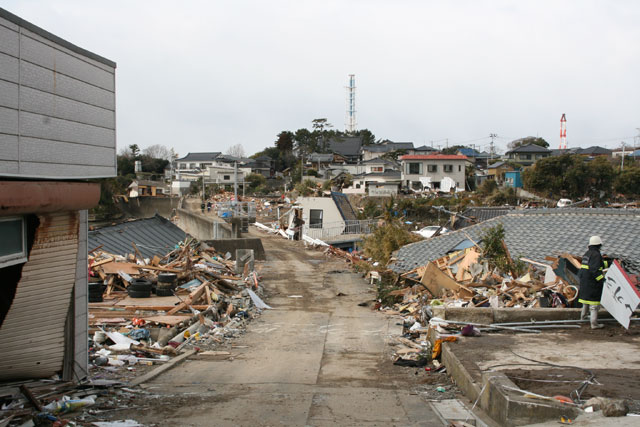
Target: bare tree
(236, 150)
(158, 151)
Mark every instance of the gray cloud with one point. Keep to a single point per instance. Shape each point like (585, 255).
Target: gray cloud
(204, 75)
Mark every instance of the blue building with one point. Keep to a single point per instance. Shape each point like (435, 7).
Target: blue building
(513, 179)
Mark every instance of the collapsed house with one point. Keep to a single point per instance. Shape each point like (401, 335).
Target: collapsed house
(57, 109)
(538, 233)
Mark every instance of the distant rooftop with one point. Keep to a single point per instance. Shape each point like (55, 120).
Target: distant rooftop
(434, 157)
(200, 157)
(529, 148)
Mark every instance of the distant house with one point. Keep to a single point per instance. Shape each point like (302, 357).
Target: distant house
(262, 165)
(497, 170)
(374, 151)
(140, 187)
(595, 151)
(528, 154)
(380, 165)
(349, 147)
(424, 149)
(197, 161)
(434, 171)
(320, 161)
(376, 184)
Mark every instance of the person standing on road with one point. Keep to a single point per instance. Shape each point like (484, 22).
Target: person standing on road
(591, 280)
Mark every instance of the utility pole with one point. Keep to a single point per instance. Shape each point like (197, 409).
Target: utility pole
(235, 185)
(491, 150)
(622, 164)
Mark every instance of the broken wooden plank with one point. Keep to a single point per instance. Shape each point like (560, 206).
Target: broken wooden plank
(160, 369)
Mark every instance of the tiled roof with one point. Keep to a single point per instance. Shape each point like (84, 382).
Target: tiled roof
(594, 150)
(481, 214)
(433, 157)
(537, 233)
(378, 161)
(200, 157)
(425, 148)
(529, 148)
(468, 152)
(344, 206)
(346, 146)
(388, 146)
(152, 236)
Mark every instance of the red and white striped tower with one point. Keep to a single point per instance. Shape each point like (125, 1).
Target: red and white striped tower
(563, 132)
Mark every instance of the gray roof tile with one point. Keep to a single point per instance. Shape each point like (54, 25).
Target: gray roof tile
(537, 233)
(152, 236)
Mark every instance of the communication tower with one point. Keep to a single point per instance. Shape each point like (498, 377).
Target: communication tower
(563, 132)
(350, 122)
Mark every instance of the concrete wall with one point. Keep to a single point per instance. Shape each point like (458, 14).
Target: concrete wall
(146, 206)
(330, 212)
(57, 106)
(230, 245)
(202, 228)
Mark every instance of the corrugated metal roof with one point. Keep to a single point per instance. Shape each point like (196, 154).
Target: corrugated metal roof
(152, 236)
(537, 233)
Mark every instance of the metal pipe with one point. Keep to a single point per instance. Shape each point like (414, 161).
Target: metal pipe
(554, 322)
(483, 325)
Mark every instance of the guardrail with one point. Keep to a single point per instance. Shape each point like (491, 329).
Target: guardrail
(339, 228)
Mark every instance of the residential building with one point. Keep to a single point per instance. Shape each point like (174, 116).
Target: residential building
(527, 155)
(349, 147)
(424, 149)
(376, 183)
(380, 165)
(374, 151)
(262, 165)
(58, 131)
(497, 170)
(140, 187)
(194, 161)
(434, 171)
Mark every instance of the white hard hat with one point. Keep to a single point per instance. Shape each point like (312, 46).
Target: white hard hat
(595, 240)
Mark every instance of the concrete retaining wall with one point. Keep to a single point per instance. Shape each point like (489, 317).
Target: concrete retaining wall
(230, 245)
(203, 228)
(147, 206)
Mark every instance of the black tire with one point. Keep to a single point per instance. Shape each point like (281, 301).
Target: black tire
(164, 292)
(139, 294)
(141, 282)
(167, 277)
(140, 287)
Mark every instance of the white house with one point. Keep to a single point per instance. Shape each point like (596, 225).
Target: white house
(197, 161)
(434, 171)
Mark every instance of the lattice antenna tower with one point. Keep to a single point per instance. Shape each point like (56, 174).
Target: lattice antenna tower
(563, 132)
(350, 121)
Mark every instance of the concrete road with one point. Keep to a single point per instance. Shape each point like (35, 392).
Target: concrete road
(317, 359)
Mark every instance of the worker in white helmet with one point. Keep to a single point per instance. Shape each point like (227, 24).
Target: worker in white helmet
(591, 280)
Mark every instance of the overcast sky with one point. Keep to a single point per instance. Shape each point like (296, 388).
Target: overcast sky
(204, 75)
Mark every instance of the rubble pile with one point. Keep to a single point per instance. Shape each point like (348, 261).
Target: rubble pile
(465, 279)
(201, 298)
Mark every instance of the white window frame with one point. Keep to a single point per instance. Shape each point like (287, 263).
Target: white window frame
(432, 168)
(447, 168)
(16, 258)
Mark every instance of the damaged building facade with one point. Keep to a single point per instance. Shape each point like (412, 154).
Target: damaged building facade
(57, 110)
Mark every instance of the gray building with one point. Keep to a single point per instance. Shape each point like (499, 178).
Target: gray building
(57, 129)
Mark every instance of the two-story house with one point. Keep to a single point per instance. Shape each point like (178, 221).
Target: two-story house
(528, 154)
(57, 131)
(194, 161)
(434, 171)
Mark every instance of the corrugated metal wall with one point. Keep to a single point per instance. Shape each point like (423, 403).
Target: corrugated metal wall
(57, 109)
(32, 337)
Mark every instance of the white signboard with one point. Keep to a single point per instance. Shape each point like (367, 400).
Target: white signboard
(619, 296)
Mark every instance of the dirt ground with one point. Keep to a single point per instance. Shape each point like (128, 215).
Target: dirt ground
(316, 359)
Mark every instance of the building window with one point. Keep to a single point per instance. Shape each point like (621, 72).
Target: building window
(459, 168)
(192, 165)
(226, 177)
(414, 168)
(448, 168)
(13, 246)
(377, 169)
(357, 185)
(525, 156)
(432, 168)
(315, 218)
